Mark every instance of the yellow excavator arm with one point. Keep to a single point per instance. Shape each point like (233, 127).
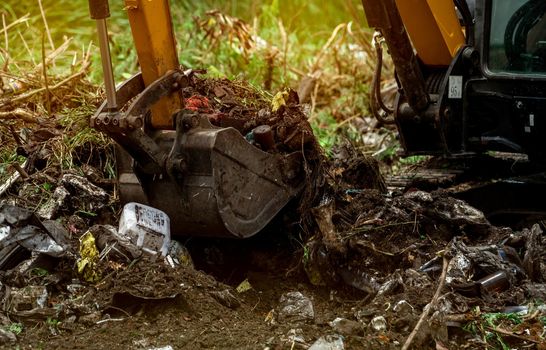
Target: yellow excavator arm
(434, 29)
(155, 44)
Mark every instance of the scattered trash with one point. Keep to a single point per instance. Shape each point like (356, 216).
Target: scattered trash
(178, 255)
(18, 225)
(459, 269)
(328, 342)
(393, 283)
(89, 256)
(294, 339)
(29, 304)
(34, 239)
(494, 283)
(85, 196)
(167, 347)
(28, 298)
(403, 307)
(50, 209)
(146, 228)
(244, 286)
(294, 306)
(360, 280)
(112, 246)
(379, 324)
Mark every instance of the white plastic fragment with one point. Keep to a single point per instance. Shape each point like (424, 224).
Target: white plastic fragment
(27, 298)
(295, 336)
(328, 342)
(403, 307)
(379, 324)
(146, 227)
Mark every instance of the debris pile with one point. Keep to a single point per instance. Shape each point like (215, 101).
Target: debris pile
(422, 268)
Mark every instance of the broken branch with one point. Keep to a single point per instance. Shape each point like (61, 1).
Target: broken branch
(19, 113)
(56, 86)
(430, 306)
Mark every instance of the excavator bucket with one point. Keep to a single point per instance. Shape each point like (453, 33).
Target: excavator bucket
(210, 180)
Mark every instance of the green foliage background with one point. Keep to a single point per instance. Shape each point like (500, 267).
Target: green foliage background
(295, 33)
(308, 24)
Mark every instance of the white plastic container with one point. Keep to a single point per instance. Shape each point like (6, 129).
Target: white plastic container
(145, 227)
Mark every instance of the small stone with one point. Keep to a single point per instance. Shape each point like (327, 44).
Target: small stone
(347, 327)
(7, 337)
(226, 298)
(90, 319)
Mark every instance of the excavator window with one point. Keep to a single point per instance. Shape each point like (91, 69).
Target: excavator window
(517, 39)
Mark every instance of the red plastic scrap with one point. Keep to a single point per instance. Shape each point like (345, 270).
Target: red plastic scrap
(198, 104)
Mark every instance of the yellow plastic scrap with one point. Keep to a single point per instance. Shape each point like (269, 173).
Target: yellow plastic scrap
(89, 257)
(244, 286)
(279, 100)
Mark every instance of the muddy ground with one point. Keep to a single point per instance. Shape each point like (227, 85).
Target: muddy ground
(349, 264)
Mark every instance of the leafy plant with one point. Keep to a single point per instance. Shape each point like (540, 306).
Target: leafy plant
(16, 328)
(40, 272)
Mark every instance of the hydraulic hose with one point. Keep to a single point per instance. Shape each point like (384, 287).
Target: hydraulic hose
(376, 101)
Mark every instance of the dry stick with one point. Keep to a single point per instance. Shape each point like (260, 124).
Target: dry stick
(510, 334)
(6, 40)
(53, 55)
(11, 180)
(429, 307)
(284, 46)
(312, 115)
(20, 170)
(14, 23)
(327, 46)
(19, 113)
(45, 24)
(25, 44)
(54, 87)
(44, 72)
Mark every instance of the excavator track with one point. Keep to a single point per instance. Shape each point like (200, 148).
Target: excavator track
(506, 187)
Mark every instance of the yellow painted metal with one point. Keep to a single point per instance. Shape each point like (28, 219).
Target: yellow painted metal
(434, 29)
(154, 40)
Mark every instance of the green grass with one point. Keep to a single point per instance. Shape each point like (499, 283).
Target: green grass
(307, 24)
(288, 42)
